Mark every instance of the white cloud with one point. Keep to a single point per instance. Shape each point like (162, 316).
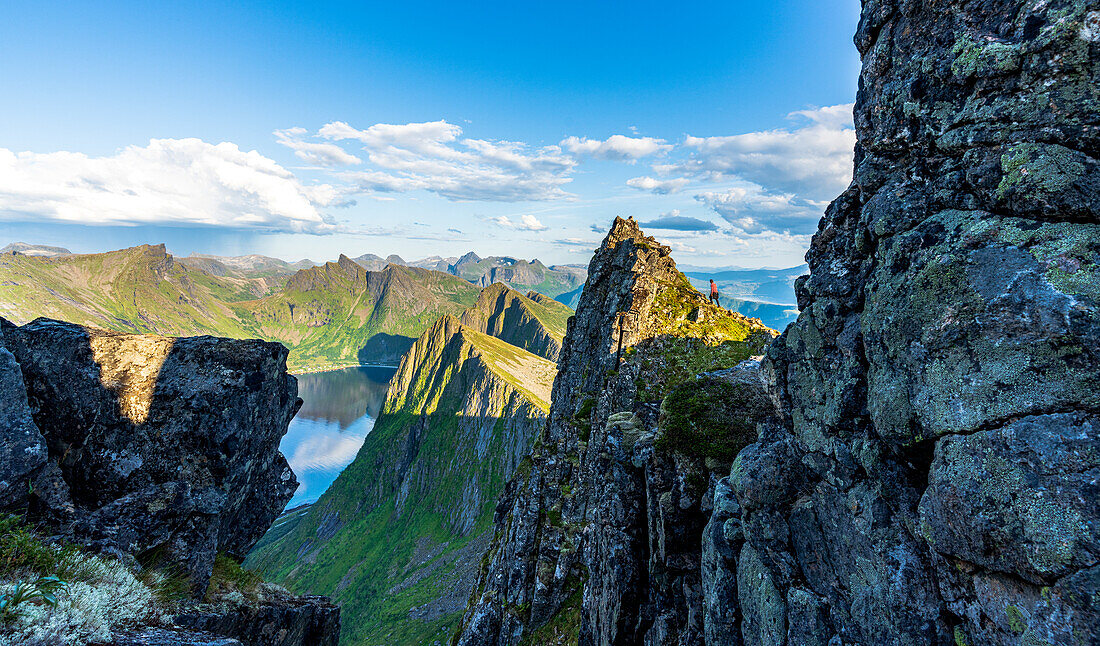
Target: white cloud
(681, 247)
(814, 159)
(616, 147)
(525, 223)
(434, 157)
(673, 221)
(578, 242)
(170, 182)
(321, 154)
(752, 209)
(659, 186)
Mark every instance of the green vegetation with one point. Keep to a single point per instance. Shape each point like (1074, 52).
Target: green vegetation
(229, 577)
(329, 316)
(22, 550)
(401, 529)
(44, 590)
(582, 419)
(960, 637)
(692, 336)
(54, 593)
(563, 629)
(1016, 621)
(533, 322)
(708, 418)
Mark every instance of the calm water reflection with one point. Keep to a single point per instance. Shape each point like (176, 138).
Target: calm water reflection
(339, 410)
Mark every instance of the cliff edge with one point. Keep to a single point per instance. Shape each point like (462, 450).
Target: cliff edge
(157, 453)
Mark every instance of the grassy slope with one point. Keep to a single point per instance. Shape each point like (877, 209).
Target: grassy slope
(329, 316)
(140, 289)
(533, 322)
(340, 313)
(409, 532)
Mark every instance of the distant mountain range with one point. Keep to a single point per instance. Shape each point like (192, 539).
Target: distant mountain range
(368, 309)
(34, 250)
(519, 274)
(329, 315)
(760, 285)
(516, 273)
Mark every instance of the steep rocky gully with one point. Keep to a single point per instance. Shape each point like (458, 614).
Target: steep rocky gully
(922, 458)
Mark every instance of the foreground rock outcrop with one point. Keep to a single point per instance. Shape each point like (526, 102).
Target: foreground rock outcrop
(927, 472)
(160, 451)
(597, 537)
(940, 454)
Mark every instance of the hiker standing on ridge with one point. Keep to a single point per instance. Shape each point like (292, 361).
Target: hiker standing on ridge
(714, 293)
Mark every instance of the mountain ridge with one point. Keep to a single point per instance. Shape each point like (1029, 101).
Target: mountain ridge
(398, 537)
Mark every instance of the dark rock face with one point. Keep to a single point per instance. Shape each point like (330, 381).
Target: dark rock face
(291, 621)
(939, 461)
(22, 448)
(167, 445)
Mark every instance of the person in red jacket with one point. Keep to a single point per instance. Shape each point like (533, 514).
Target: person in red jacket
(714, 293)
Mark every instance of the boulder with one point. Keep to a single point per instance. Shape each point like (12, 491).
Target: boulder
(168, 447)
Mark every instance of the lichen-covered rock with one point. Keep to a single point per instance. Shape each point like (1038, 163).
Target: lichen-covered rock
(167, 446)
(605, 511)
(939, 388)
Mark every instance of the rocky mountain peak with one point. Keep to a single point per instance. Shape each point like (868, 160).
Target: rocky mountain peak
(947, 339)
(468, 258)
(573, 528)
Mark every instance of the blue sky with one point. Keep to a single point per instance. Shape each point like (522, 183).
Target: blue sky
(419, 128)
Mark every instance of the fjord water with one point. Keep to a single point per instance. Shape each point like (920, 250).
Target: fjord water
(339, 410)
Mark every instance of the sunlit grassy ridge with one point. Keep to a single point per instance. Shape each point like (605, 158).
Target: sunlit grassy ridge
(398, 537)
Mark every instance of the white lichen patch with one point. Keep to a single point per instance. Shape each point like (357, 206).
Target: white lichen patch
(107, 598)
(1090, 27)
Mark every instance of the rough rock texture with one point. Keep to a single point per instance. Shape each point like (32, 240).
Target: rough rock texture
(936, 480)
(290, 621)
(165, 444)
(26, 466)
(931, 477)
(164, 449)
(598, 535)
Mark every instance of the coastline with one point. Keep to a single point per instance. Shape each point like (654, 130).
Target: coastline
(335, 367)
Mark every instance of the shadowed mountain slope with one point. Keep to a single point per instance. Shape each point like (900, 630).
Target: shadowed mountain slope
(532, 322)
(398, 538)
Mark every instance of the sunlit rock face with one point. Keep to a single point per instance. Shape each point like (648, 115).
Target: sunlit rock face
(598, 535)
(160, 446)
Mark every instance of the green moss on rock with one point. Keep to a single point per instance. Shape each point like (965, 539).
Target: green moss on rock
(709, 418)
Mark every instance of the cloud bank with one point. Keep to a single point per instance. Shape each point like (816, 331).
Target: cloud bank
(675, 222)
(434, 157)
(616, 147)
(182, 182)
